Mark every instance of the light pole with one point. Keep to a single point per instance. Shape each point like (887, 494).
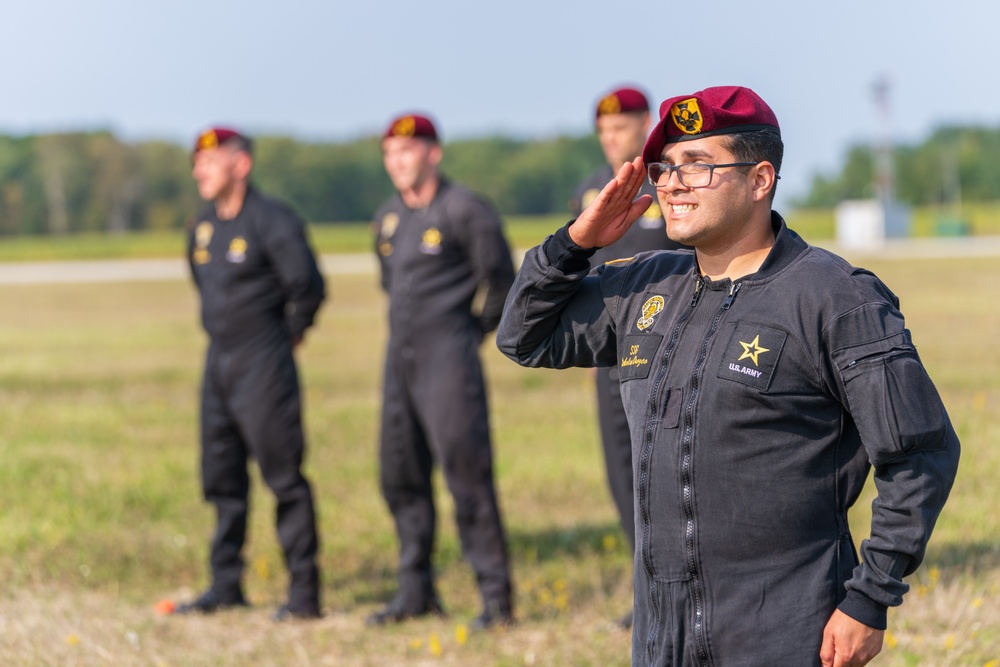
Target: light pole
(883, 144)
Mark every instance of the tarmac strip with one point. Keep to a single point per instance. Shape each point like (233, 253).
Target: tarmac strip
(138, 270)
(122, 270)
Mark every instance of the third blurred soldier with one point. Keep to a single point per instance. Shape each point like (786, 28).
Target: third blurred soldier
(622, 120)
(439, 246)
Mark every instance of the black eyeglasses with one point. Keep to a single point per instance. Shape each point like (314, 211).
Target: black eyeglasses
(691, 175)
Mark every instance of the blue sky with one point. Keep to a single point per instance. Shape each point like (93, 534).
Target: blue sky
(337, 70)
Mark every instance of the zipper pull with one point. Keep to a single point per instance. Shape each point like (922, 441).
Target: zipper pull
(697, 290)
(733, 289)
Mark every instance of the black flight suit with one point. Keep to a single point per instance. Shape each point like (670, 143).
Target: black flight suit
(647, 233)
(434, 262)
(260, 289)
(758, 407)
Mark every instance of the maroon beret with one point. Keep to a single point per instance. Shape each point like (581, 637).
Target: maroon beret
(216, 136)
(719, 110)
(411, 125)
(623, 100)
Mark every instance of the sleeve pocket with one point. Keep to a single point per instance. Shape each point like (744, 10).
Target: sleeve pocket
(895, 406)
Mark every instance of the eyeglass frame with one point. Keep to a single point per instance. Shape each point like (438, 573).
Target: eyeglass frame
(676, 169)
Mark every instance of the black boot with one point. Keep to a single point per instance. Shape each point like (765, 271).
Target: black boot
(401, 609)
(302, 612)
(212, 601)
(496, 613)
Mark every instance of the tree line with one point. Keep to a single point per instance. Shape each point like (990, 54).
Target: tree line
(954, 164)
(92, 181)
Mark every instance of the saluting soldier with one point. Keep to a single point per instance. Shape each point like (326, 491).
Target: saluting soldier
(260, 288)
(764, 379)
(439, 246)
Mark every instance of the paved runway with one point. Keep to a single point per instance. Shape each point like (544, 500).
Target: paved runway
(35, 273)
(119, 270)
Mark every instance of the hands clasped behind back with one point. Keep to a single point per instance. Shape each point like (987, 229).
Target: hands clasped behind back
(614, 210)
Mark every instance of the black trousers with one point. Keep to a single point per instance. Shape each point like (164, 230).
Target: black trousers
(250, 408)
(435, 411)
(617, 444)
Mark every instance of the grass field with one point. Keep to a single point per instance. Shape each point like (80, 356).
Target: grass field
(100, 513)
(350, 237)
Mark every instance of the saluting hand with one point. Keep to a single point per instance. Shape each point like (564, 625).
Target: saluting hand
(614, 210)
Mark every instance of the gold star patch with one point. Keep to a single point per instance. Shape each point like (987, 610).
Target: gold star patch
(765, 359)
(751, 350)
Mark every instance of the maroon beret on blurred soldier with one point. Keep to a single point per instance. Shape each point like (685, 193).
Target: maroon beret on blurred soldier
(216, 136)
(622, 100)
(412, 125)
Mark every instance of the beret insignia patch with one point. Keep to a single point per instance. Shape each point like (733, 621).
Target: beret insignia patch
(687, 116)
(405, 127)
(208, 140)
(609, 105)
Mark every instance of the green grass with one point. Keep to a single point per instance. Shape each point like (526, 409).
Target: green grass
(101, 515)
(522, 232)
(350, 237)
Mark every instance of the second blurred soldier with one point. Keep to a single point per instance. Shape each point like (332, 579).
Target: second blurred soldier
(439, 246)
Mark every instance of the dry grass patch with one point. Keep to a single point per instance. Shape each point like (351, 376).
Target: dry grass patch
(101, 515)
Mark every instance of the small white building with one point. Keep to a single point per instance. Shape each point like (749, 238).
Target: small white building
(868, 223)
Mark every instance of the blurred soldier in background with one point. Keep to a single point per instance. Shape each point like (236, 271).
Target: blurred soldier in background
(622, 121)
(260, 289)
(441, 250)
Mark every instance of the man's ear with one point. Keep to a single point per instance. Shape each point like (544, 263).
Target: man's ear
(243, 164)
(435, 154)
(765, 179)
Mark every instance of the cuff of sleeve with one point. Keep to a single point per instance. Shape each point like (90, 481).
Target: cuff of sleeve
(566, 255)
(296, 328)
(863, 609)
(488, 324)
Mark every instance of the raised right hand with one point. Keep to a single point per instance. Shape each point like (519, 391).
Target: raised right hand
(614, 210)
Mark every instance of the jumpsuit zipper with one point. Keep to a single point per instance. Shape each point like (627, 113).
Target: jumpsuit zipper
(647, 450)
(700, 636)
(733, 289)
